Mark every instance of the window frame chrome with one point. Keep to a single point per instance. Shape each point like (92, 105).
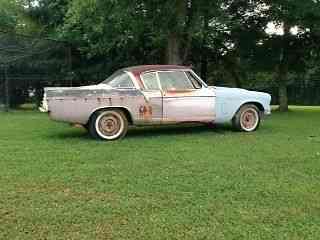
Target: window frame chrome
(144, 84)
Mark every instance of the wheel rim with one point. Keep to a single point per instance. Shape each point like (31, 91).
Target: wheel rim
(249, 119)
(109, 125)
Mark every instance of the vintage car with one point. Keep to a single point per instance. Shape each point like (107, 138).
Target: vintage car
(153, 95)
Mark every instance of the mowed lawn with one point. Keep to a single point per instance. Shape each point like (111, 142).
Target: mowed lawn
(161, 183)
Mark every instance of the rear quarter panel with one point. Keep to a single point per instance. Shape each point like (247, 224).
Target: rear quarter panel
(77, 106)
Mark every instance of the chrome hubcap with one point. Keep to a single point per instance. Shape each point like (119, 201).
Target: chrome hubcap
(249, 119)
(109, 125)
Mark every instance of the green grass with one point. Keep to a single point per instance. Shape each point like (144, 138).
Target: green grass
(161, 183)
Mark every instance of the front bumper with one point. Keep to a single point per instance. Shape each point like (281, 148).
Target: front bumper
(267, 112)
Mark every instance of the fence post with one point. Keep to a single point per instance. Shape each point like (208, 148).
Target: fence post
(6, 88)
(69, 55)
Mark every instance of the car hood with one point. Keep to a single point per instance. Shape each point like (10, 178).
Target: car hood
(239, 92)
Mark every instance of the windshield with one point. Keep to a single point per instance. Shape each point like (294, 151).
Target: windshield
(119, 79)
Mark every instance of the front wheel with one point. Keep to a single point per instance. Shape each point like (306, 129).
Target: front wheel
(247, 119)
(108, 125)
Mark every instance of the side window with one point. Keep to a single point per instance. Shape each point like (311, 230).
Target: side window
(150, 81)
(122, 81)
(175, 81)
(195, 82)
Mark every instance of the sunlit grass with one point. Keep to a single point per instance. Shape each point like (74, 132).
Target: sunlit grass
(161, 183)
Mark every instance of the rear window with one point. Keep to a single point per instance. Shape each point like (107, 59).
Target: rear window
(120, 80)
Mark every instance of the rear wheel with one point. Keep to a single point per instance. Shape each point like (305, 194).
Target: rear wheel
(247, 119)
(108, 125)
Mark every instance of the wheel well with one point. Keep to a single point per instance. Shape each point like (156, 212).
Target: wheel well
(124, 110)
(257, 104)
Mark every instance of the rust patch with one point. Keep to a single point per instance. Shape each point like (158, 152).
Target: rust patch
(145, 112)
(179, 93)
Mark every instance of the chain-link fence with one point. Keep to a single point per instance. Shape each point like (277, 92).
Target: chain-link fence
(28, 64)
(300, 93)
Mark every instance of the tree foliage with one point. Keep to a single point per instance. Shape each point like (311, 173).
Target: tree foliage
(226, 40)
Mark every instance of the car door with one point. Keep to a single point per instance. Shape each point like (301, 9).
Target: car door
(186, 98)
(151, 111)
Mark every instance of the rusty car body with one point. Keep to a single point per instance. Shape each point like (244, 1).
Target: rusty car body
(153, 95)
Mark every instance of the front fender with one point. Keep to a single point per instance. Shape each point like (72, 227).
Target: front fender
(227, 109)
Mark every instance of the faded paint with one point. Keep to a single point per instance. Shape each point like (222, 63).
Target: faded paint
(196, 105)
(229, 101)
(207, 104)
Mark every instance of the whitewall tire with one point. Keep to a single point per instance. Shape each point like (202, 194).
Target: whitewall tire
(247, 119)
(108, 125)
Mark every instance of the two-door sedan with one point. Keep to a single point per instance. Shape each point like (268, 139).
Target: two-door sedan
(153, 95)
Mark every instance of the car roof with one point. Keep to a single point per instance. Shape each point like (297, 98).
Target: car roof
(137, 70)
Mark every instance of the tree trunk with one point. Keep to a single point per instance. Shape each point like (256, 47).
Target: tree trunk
(204, 48)
(204, 67)
(173, 49)
(189, 15)
(236, 78)
(283, 94)
(232, 64)
(283, 71)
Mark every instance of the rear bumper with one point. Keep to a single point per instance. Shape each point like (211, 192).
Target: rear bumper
(44, 105)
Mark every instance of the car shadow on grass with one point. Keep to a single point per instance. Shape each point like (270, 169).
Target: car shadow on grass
(157, 131)
(150, 131)
(73, 134)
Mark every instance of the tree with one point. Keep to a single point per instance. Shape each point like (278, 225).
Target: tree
(225, 40)
(303, 15)
(9, 14)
